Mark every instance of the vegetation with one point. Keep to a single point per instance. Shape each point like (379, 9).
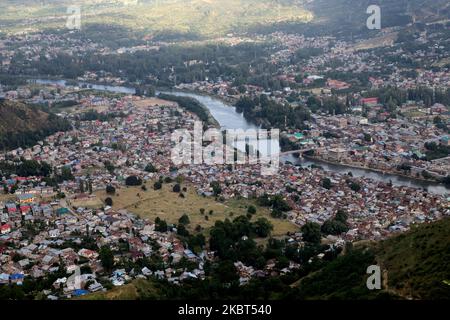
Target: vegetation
(337, 225)
(194, 19)
(270, 114)
(191, 105)
(23, 126)
(133, 181)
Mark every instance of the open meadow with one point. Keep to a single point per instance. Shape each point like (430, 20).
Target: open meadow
(169, 206)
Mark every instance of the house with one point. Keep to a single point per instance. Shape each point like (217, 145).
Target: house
(17, 278)
(79, 292)
(62, 211)
(26, 198)
(4, 278)
(369, 102)
(336, 153)
(54, 233)
(89, 254)
(11, 207)
(4, 229)
(25, 209)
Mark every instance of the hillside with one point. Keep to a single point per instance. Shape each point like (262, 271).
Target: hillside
(195, 18)
(348, 18)
(416, 265)
(23, 126)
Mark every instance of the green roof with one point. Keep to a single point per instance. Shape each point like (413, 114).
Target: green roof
(62, 211)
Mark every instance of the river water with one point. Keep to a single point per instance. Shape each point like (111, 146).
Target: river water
(228, 118)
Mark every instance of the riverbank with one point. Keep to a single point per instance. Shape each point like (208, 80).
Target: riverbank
(225, 100)
(354, 166)
(192, 105)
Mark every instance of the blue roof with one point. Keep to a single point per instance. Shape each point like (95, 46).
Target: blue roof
(80, 292)
(25, 196)
(16, 276)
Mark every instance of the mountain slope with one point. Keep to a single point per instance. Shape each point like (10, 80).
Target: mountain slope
(23, 126)
(416, 265)
(202, 18)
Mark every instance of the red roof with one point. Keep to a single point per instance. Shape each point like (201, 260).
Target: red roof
(369, 100)
(5, 227)
(24, 208)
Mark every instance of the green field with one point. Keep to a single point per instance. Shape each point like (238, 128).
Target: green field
(168, 206)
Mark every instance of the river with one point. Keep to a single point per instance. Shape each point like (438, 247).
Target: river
(228, 118)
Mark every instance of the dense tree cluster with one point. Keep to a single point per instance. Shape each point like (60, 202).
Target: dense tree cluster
(233, 240)
(270, 114)
(336, 225)
(189, 104)
(25, 168)
(133, 181)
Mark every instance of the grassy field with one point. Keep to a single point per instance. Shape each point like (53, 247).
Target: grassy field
(418, 262)
(131, 291)
(167, 205)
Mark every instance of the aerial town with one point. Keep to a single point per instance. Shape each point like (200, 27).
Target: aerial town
(343, 105)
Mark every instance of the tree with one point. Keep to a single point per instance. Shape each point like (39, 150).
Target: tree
(326, 183)
(184, 219)
(109, 202)
(446, 180)
(334, 227)
(262, 227)
(355, 186)
(176, 188)
(106, 258)
(133, 181)
(217, 189)
(311, 232)
(110, 167)
(227, 272)
(157, 185)
(110, 190)
(337, 225)
(341, 216)
(66, 174)
(90, 186)
(160, 225)
(251, 209)
(182, 231)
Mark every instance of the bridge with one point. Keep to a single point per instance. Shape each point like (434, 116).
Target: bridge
(300, 151)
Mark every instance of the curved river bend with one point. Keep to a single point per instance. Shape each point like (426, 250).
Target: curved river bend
(228, 118)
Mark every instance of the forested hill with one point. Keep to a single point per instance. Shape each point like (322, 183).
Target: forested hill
(348, 17)
(23, 126)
